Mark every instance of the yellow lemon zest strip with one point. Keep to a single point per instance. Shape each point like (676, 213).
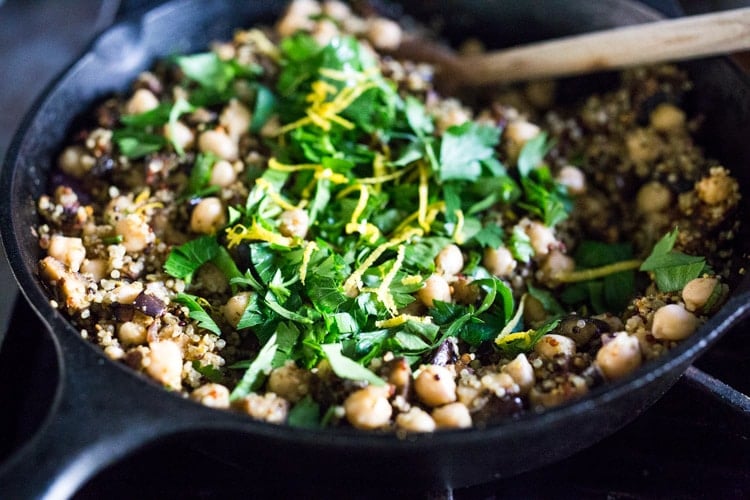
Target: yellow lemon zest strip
(380, 179)
(143, 208)
(433, 208)
(239, 233)
(274, 164)
(423, 197)
(401, 319)
(142, 196)
(411, 280)
(382, 292)
(310, 247)
(353, 283)
(597, 272)
(457, 235)
(276, 197)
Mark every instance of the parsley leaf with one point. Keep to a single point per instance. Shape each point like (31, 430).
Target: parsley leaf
(464, 147)
(134, 143)
(348, 368)
(672, 270)
(520, 245)
(197, 312)
(185, 259)
(513, 344)
(210, 372)
(261, 366)
(305, 414)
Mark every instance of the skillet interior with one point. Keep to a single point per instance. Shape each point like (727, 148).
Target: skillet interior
(452, 458)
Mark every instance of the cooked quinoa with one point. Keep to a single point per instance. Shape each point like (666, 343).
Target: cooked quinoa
(297, 227)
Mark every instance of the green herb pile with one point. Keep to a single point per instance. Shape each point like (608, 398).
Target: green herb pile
(383, 192)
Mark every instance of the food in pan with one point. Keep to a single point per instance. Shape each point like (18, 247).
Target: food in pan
(298, 226)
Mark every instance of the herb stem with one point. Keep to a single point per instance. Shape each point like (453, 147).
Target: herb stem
(598, 272)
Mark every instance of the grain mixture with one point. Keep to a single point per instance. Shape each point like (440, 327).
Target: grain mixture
(294, 226)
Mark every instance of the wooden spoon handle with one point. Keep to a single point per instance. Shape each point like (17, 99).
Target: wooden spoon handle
(674, 39)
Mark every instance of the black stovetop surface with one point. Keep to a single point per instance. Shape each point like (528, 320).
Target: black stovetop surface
(690, 444)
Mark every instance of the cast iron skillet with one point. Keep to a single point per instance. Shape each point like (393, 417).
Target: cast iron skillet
(102, 411)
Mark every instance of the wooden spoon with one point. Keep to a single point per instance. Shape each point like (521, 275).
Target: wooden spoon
(669, 40)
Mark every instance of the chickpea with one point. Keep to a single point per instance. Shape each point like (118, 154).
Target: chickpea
(290, 382)
(180, 134)
(435, 288)
(208, 216)
(641, 146)
(555, 264)
(400, 374)
(464, 291)
(499, 261)
(522, 373)
(653, 197)
(143, 100)
(551, 345)
(415, 420)
(717, 187)
(336, 9)
(235, 118)
(222, 174)
(435, 385)
(324, 31)
(516, 134)
(700, 292)
(165, 363)
(294, 222)
(131, 333)
(452, 416)
(542, 237)
(135, 231)
(218, 143)
(69, 251)
(96, 268)
(368, 408)
(211, 395)
(267, 407)
(619, 357)
(75, 162)
(235, 308)
(573, 179)
(449, 261)
(384, 33)
(673, 322)
(667, 118)
(297, 17)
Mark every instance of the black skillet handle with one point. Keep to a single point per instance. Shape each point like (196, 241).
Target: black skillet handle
(97, 417)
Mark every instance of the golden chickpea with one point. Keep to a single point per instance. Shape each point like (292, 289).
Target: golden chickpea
(208, 216)
(716, 187)
(368, 408)
(218, 143)
(211, 395)
(235, 118)
(668, 118)
(555, 264)
(70, 251)
(435, 288)
(699, 292)
(452, 416)
(75, 162)
(642, 146)
(222, 174)
(653, 197)
(142, 100)
(165, 363)
(573, 179)
(290, 382)
(551, 345)
(542, 238)
(336, 9)
(449, 261)
(435, 385)
(415, 420)
(294, 222)
(297, 17)
(180, 134)
(673, 322)
(235, 308)
(135, 231)
(384, 33)
(131, 333)
(324, 31)
(516, 134)
(619, 357)
(499, 261)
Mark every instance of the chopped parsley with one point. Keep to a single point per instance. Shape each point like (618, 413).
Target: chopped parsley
(672, 270)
